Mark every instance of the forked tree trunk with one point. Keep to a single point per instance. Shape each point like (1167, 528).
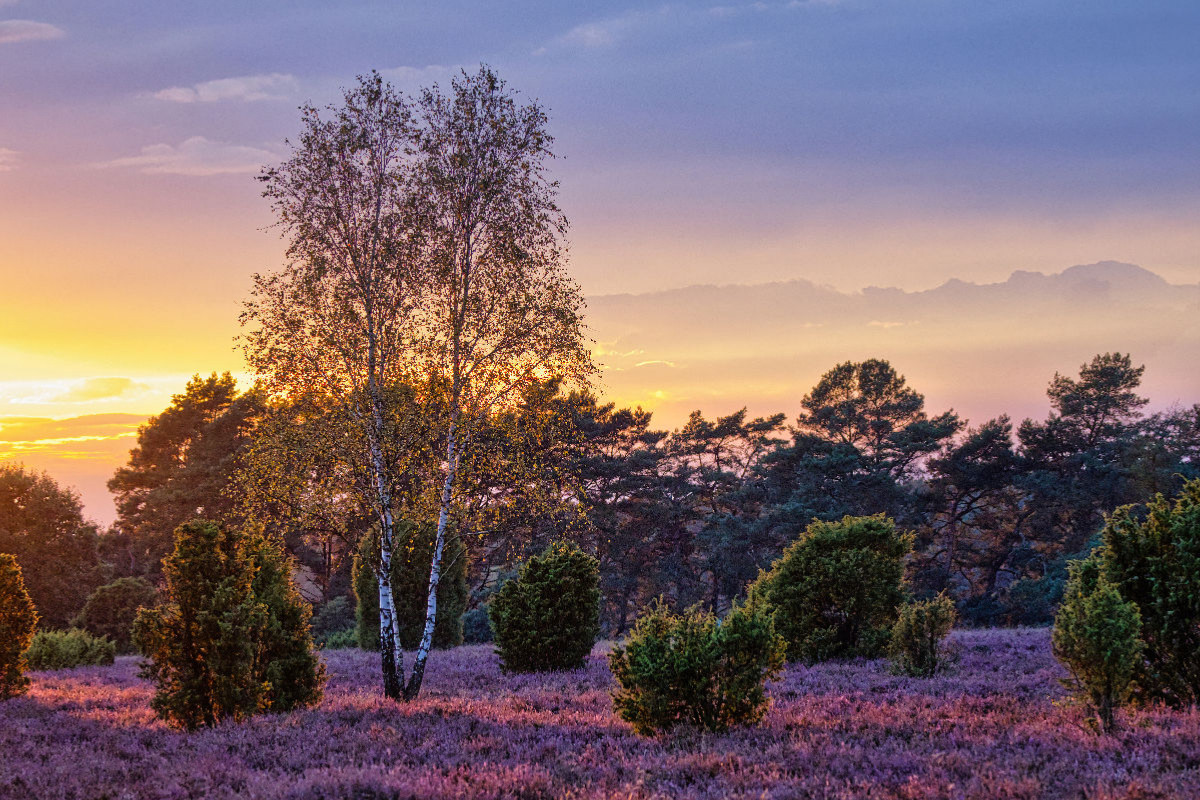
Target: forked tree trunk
(413, 688)
(391, 654)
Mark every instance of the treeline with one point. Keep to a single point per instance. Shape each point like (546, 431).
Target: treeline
(691, 515)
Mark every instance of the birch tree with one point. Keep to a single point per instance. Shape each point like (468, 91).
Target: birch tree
(335, 320)
(499, 310)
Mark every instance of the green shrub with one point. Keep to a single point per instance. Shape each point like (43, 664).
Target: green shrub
(18, 621)
(69, 649)
(1155, 563)
(231, 637)
(1096, 638)
(695, 669)
(477, 627)
(339, 640)
(333, 616)
(835, 591)
(411, 559)
(111, 609)
(286, 658)
(548, 617)
(916, 643)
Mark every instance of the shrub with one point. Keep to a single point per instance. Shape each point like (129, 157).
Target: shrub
(548, 617)
(333, 616)
(111, 609)
(916, 642)
(1096, 638)
(477, 627)
(18, 621)
(835, 591)
(1155, 563)
(286, 657)
(411, 559)
(69, 649)
(231, 636)
(340, 640)
(695, 669)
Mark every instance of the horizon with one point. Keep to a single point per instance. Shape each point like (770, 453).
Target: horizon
(89, 445)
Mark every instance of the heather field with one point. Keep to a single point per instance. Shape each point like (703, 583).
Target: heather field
(995, 727)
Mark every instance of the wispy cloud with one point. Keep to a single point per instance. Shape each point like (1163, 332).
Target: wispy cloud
(8, 159)
(91, 389)
(196, 156)
(20, 435)
(84, 390)
(247, 88)
(656, 362)
(26, 30)
(608, 32)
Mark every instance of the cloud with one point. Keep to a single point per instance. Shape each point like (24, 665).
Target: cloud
(25, 434)
(875, 323)
(656, 362)
(608, 32)
(196, 156)
(26, 30)
(100, 389)
(8, 159)
(247, 88)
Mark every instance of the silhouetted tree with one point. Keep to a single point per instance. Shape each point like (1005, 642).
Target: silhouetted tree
(42, 525)
(182, 467)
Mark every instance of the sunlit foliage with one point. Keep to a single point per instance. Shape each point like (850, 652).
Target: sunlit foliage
(695, 669)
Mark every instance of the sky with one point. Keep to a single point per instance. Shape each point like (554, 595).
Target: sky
(843, 143)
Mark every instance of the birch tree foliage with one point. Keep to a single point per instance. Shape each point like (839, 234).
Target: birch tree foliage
(335, 320)
(499, 310)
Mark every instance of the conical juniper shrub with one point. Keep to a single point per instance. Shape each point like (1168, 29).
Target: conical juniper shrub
(18, 621)
(111, 609)
(231, 637)
(835, 591)
(695, 669)
(916, 646)
(1154, 562)
(412, 558)
(1096, 637)
(287, 657)
(549, 616)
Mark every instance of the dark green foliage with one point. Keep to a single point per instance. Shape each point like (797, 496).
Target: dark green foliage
(231, 636)
(18, 621)
(68, 649)
(477, 627)
(111, 609)
(333, 616)
(286, 658)
(1155, 563)
(182, 467)
(42, 525)
(549, 616)
(695, 669)
(1096, 636)
(835, 591)
(916, 645)
(412, 556)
